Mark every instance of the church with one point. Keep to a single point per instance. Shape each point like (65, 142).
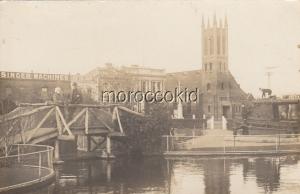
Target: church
(220, 94)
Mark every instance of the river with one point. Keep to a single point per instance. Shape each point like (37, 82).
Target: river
(249, 175)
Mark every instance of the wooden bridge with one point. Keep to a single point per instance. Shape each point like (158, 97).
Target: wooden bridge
(38, 123)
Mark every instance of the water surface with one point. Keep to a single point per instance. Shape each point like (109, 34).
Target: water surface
(277, 175)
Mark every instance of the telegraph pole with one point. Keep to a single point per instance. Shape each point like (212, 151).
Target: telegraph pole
(269, 73)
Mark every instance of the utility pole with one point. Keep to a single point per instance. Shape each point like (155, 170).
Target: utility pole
(269, 73)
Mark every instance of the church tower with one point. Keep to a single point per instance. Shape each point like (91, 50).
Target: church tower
(216, 84)
(215, 46)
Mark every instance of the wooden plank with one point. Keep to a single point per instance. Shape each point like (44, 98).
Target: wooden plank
(58, 123)
(75, 118)
(44, 138)
(92, 132)
(27, 113)
(130, 111)
(39, 124)
(119, 121)
(66, 137)
(64, 121)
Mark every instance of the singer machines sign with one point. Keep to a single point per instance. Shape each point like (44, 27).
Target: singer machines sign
(32, 87)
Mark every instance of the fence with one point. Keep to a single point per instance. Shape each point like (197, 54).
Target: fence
(232, 144)
(26, 162)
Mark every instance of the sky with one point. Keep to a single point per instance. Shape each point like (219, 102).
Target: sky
(77, 36)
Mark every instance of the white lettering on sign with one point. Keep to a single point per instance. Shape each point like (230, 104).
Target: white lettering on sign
(35, 76)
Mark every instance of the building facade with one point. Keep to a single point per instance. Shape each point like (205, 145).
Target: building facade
(110, 78)
(23, 87)
(220, 94)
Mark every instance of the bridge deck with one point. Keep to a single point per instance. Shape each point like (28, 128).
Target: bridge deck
(38, 123)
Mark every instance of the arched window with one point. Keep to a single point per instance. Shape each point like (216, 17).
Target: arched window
(220, 66)
(210, 66)
(208, 86)
(208, 108)
(205, 67)
(222, 86)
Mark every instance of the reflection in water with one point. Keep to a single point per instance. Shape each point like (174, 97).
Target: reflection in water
(179, 176)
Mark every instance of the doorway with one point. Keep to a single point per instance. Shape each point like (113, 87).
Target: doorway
(226, 111)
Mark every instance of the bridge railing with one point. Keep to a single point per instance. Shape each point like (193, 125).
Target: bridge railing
(234, 143)
(30, 163)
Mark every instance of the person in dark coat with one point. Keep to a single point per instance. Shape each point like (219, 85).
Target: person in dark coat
(76, 98)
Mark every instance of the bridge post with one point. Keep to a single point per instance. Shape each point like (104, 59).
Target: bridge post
(89, 143)
(108, 146)
(56, 150)
(108, 171)
(57, 143)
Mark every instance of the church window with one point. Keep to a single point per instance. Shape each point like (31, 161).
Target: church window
(205, 67)
(208, 86)
(222, 86)
(208, 108)
(220, 66)
(210, 66)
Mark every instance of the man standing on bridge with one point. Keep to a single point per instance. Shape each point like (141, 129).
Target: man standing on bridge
(76, 98)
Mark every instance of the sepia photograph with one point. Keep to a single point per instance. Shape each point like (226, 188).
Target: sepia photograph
(150, 97)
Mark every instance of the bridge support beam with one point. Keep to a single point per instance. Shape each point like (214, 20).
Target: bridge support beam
(57, 159)
(107, 153)
(89, 143)
(108, 145)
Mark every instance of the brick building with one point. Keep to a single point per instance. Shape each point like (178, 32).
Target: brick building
(31, 87)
